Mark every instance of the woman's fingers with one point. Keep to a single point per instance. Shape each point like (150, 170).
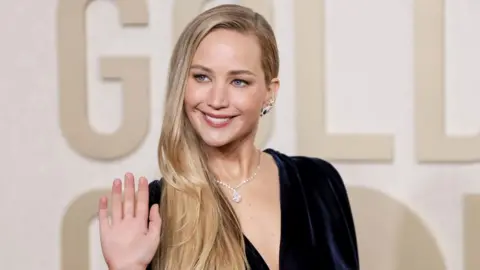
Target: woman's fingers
(117, 209)
(141, 210)
(103, 214)
(155, 222)
(129, 197)
(128, 205)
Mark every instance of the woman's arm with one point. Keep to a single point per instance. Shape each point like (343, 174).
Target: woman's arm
(325, 181)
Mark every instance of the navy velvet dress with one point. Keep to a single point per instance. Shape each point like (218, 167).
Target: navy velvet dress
(317, 227)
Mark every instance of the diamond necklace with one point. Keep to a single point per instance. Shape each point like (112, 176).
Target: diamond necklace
(236, 197)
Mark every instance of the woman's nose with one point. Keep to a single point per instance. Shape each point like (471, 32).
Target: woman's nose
(218, 96)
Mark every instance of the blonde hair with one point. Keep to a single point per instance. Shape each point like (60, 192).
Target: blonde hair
(199, 227)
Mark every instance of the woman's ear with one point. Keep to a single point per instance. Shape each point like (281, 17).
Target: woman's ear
(272, 90)
(270, 97)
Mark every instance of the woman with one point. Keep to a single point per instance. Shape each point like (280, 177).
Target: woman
(225, 204)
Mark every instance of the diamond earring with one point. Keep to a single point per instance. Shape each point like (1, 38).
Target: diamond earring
(267, 108)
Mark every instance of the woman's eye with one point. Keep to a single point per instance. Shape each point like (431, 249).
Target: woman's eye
(200, 78)
(239, 83)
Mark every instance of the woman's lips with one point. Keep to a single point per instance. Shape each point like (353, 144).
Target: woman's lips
(217, 121)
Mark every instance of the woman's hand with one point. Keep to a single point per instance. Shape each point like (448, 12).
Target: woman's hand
(128, 240)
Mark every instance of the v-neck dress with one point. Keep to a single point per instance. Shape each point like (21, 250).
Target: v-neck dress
(317, 227)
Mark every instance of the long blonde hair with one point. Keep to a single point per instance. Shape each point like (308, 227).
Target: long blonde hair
(199, 227)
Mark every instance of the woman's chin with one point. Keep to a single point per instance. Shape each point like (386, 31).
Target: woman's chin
(215, 143)
(219, 137)
(216, 139)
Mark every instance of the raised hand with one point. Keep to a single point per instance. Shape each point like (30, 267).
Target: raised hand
(128, 241)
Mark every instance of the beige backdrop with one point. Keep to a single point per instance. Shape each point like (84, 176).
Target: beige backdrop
(387, 90)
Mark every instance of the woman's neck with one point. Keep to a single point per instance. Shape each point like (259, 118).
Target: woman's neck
(234, 164)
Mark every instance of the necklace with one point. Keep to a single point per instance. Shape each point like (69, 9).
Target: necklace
(236, 197)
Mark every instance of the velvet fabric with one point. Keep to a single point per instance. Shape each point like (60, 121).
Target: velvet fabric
(317, 227)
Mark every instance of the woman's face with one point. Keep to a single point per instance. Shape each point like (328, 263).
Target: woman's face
(226, 88)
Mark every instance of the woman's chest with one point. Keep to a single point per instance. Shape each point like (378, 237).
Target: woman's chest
(261, 221)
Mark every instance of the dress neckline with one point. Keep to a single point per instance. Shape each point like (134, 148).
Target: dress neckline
(281, 180)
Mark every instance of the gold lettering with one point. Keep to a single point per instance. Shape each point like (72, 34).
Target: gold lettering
(72, 49)
(433, 145)
(185, 10)
(313, 138)
(390, 235)
(75, 231)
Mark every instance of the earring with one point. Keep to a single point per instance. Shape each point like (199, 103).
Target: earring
(267, 108)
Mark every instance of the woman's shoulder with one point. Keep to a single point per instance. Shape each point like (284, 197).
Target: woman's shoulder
(311, 170)
(318, 179)
(323, 188)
